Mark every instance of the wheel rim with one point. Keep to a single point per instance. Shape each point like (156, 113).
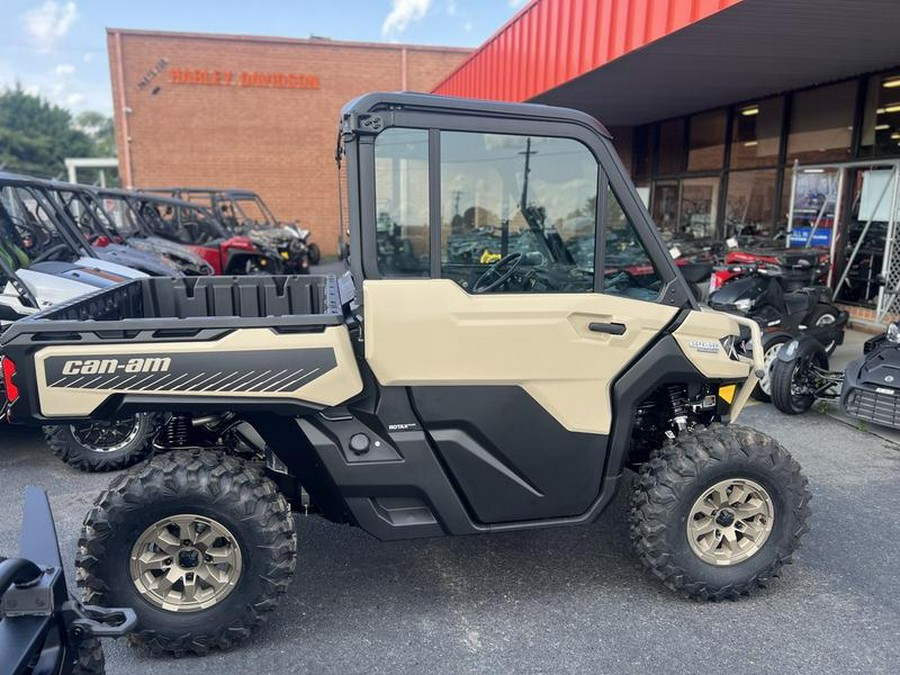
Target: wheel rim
(106, 437)
(765, 382)
(730, 522)
(185, 563)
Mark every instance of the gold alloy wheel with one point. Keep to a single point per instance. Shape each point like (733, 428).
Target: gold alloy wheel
(730, 522)
(185, 563)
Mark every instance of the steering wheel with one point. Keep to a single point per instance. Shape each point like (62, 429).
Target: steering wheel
(51, 253)
(508, 264)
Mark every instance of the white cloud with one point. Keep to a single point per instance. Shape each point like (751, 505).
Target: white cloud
(402, 14)
(75, 99)
(49, 23)
(451, 8)
(467, 26)
(64, 69)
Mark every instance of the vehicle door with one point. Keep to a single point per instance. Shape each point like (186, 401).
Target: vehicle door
(508, 284)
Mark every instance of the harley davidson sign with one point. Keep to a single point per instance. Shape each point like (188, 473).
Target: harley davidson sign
(243, 78)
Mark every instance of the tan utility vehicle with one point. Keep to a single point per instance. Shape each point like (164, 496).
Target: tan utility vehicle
(512, 336)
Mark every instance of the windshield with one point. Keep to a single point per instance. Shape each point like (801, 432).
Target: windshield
(179, 222)
(245, 211)
(82, 209)
(122, 215)
(34, 222)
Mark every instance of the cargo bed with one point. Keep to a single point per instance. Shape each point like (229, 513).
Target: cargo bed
(211, 343)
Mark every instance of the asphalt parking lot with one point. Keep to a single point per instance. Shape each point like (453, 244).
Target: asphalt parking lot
(566, 600)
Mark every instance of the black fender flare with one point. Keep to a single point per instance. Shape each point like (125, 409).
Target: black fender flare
(791, 350)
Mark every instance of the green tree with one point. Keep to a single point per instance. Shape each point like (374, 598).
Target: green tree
(37, 135)
(101, 130)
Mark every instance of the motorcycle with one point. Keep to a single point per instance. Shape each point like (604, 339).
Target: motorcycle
(786, 302)
(868, 388)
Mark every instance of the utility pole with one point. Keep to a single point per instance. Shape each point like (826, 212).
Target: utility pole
(528, 153)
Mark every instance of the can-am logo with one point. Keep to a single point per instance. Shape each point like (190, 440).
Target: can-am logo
(104, 366)
(705, 346)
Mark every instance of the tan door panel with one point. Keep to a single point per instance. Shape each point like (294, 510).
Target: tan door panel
(431, 332)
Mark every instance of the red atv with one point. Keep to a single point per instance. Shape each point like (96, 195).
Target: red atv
(196, 228)
(785, 257)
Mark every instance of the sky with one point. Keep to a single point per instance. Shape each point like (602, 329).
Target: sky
(57, 48)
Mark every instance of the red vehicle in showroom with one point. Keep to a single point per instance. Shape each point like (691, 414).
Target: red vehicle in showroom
(196, 228)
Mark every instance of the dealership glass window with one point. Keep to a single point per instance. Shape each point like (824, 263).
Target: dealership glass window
(628, 270)
(530, 198)
(821, 125)
(756, 134)
(881, 121)
(401, 202)
(815, 198)
(706, 141)
(699, 205)
(750, 203)
(670, 148)
(665, 205)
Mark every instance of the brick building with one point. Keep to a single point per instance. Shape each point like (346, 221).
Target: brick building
(252, 112)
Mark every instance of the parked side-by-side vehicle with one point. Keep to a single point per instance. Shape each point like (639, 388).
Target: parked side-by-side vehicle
(244, 212)
(422, 394)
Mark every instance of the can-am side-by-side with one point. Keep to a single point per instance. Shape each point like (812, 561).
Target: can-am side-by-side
(244, 212)
(117, 225)
(422, 394)
(40, 268)
(188, 224)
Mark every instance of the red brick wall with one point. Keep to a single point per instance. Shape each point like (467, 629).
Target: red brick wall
(277, 141)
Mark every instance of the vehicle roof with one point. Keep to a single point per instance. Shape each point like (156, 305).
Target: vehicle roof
(234, 192)
(146, 196)
(378, 101)
(22, 179)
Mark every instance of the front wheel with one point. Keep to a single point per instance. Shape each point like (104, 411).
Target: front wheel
(717, 512)
(104, 446)
(771, 344)
(793, 382)
(201, 544)
(315, 255)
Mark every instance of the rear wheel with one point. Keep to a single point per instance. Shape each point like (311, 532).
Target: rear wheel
(717, 512)
(315, 255)
(104, 446)
(771, 344)
(199, 543)
(793, 382)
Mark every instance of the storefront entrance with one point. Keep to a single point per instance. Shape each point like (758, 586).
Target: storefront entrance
(852, 210)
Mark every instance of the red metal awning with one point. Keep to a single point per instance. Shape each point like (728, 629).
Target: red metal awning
(550, 42)
(629, 62)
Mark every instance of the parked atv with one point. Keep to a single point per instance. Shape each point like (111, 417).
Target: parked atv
(868, 388)
(245, 213)
(42, 629)
(107, 229)
(67, 223)
(196, 227)
(29, 284)
(459, 397)
(776, 298)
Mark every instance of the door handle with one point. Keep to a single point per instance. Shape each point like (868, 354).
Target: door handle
(611, 328)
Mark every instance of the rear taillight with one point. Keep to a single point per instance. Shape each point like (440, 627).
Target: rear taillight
(9, 369)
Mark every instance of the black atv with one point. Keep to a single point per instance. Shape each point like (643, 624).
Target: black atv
(868, 389)
(42, 629)
(786, 303)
